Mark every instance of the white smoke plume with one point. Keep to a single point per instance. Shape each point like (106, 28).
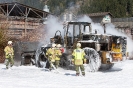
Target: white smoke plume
(110, 29)
(53, 24)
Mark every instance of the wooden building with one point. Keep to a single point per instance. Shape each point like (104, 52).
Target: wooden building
(97, 17)
(20, 18)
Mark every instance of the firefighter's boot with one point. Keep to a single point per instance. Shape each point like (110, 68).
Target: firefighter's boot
(83, 74)
(6, 67)
(77, 74)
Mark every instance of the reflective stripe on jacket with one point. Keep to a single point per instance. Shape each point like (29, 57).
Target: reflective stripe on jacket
(78, 56)
(9, 52)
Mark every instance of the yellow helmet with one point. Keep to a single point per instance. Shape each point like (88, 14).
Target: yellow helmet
(58, 45)
(78, 44)
(53, 45)
(9, 42)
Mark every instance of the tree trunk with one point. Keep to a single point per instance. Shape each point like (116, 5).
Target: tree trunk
(2, 58)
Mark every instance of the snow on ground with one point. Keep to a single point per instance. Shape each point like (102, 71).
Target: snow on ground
(120, 76)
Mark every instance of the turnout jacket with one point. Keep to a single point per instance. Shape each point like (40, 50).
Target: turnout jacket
(9, 52)
(78, 56)
(51, 54)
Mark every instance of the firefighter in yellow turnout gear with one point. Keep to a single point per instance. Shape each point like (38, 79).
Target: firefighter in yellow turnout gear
(9, 54)
(51, 55)
(78, 58)
(58, 55)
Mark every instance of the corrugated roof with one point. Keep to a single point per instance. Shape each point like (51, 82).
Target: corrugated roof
(99, 14)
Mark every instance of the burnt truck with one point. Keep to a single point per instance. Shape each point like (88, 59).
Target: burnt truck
(102, 50)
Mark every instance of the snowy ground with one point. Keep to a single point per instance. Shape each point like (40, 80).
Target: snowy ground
(120, 76)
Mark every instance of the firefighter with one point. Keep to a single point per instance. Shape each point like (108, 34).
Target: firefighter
(78, 59)
(51, 56)
(58, 55)
(9, 54)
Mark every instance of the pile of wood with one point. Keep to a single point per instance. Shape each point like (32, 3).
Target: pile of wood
(35, 35)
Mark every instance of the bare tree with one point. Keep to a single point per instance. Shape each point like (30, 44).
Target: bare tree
(3, 36)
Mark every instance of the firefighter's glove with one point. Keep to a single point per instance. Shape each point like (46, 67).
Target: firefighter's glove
(84, 61)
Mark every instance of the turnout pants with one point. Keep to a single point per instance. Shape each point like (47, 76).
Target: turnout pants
(9, 60)
(81, 67)
(57, 63)
(50, 67)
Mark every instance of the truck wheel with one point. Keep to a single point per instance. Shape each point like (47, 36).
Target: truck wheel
(38, 55)
(93, 60)
(42, 61)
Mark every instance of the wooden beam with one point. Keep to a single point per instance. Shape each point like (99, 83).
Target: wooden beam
(37, 13)
(12, 9)
(2, 10)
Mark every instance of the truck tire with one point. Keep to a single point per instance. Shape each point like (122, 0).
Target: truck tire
(41, 60)
(93, 60)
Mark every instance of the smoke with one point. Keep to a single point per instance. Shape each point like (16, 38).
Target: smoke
(95, 26)
(53, 24)
(110, 29)
(85, 19)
